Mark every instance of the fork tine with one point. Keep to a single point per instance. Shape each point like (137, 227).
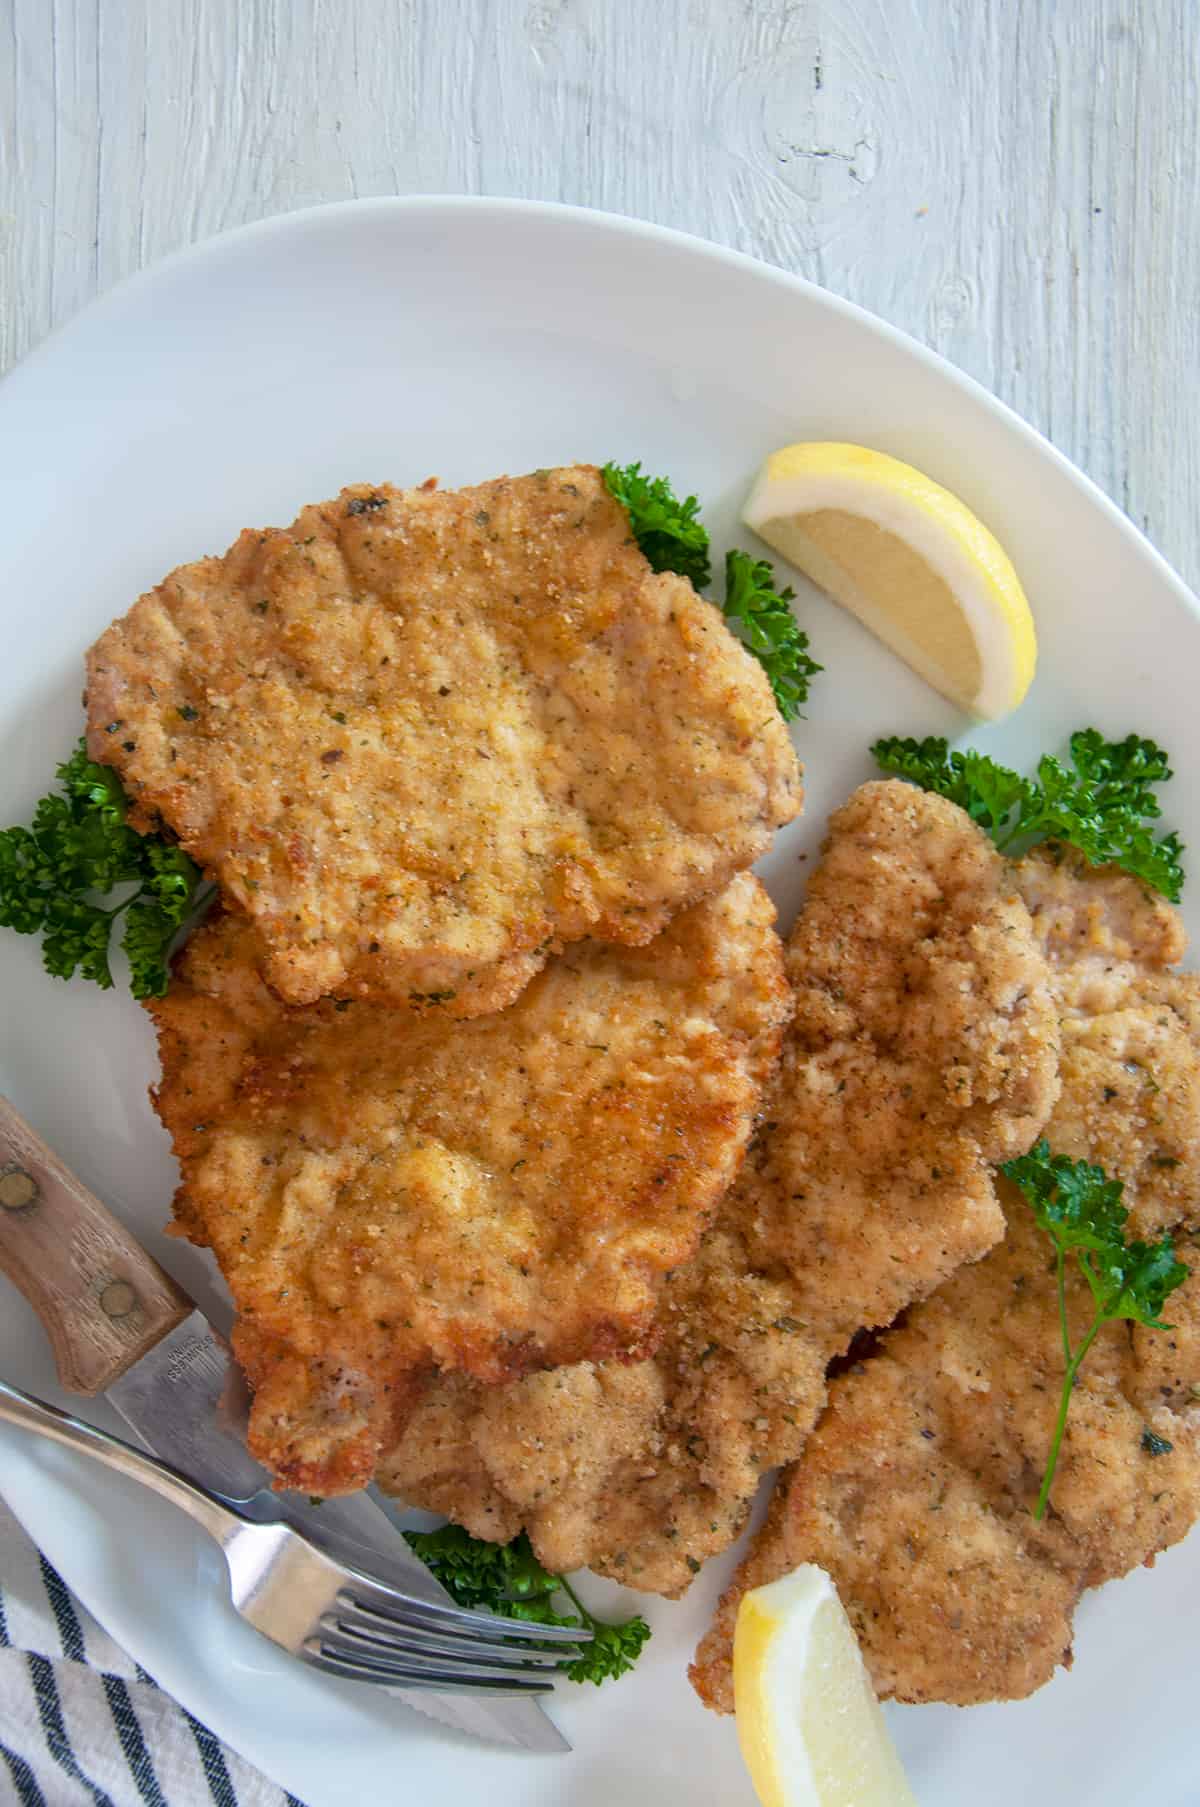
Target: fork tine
(454, 1622)
(376, 1634)
(492, 1635)
(442, 1681)
(386, 1663)
(363, 1595)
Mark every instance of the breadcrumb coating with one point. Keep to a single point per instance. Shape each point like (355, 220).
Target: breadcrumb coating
(386, 1193)
(422, 737)
(924, 1045)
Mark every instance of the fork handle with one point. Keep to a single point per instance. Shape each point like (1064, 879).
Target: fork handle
(44, 1420)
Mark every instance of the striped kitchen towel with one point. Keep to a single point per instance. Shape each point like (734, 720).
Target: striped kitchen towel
(81, 1725)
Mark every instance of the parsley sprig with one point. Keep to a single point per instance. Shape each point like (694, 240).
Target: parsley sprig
(58, 875)
(1101, 802)
(1080, 1209)
(669, 532)
(764, 616)
(673, 538)
(509, 1579)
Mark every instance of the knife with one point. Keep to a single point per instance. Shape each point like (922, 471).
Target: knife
(119, 1325)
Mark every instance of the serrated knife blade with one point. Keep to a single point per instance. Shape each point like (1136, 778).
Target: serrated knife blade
(120, 1326)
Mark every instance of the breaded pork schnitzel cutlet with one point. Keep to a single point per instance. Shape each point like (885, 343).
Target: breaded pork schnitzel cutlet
(924, 1046)
(916, 1490)
(385, 1192)
(419, 736)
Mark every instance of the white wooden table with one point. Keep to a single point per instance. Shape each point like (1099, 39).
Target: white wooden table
(1013, 181)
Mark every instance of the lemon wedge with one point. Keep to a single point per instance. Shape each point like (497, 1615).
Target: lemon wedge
(811, 1730)
(910, 560)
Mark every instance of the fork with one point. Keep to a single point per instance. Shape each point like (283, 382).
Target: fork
(330, 1615)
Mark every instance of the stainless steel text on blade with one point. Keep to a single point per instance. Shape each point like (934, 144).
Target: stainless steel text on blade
(176, 1399)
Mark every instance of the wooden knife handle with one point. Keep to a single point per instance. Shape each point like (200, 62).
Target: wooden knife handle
(103, 1301)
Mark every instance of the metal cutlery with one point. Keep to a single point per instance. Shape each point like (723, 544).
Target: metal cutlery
(323, 1611)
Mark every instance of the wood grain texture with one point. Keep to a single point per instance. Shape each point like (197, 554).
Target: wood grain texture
(1013, 181)
(101, 1298)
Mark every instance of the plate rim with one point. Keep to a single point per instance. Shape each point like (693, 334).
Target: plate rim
(234, 239)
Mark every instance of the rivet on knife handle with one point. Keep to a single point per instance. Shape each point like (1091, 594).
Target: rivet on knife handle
(103, 1301)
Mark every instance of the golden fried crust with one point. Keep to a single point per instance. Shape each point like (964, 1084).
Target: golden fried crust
(1130, 1029)
(386, 1192)
(923, 1022)
(923, 1564)
(638, 1471)
(419, 736)
(916, 1490)
(924, 1046)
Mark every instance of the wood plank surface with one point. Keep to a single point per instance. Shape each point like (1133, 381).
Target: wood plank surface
(1013, 181)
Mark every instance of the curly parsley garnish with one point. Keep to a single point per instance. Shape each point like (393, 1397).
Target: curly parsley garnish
(57, 876)
(509, 1579)
(763, 615)
(669, 532)
(1080, 1209)
(1100, 803)
(672, 538)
